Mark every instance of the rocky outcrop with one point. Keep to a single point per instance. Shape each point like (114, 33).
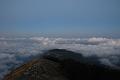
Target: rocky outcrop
(41, 69)
(59, 64)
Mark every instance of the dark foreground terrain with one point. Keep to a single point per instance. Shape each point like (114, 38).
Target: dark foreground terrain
(60, 64)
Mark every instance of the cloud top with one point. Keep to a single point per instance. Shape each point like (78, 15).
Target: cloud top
(14, 51)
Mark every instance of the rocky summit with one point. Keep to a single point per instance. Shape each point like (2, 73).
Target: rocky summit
(60, 64)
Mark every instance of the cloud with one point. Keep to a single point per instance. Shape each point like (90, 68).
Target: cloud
(16, 51)
(101, 47)
(112, 63)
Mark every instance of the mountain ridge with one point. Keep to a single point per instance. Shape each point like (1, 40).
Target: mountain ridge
(61, 64)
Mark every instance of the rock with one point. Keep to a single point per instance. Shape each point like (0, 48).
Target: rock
(41, 69)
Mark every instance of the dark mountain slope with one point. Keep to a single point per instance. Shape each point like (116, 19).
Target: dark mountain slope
(60, 64)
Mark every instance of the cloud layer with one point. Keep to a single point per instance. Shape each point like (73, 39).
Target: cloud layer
(14, 51)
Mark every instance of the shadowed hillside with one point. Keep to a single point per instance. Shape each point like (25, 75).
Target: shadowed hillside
(60, 64)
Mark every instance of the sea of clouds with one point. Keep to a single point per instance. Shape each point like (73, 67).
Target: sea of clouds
(15, 51)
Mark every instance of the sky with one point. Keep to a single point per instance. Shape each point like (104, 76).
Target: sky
(61, 17)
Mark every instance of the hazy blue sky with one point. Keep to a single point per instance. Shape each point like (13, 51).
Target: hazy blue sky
(69, 17)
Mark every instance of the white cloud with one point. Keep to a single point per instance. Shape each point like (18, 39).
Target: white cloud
(94, 39)
(5, 56)
(107, 62)
(13, 51)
